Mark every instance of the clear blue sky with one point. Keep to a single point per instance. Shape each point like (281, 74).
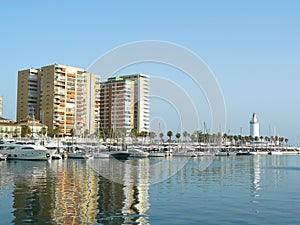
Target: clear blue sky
(253, 47)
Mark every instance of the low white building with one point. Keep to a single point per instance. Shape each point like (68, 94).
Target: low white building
(9, 128)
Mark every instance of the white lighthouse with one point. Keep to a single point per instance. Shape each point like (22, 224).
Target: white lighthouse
(254, 126)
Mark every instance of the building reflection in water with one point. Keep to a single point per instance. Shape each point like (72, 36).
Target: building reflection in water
(72, 192)
(256, 176)
(75, 199)
(126, 201)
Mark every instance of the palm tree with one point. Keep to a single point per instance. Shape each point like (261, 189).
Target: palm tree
(193, 137)
(25, 131)
(86, 133)
(235, 138)
(161, 135)
(72, 132)
(286, 141)
(225, 138)
(276, 139)
(281, 139)
(55, 132)
(178, 135)
(152, 135)
(185, 134)
(266, 139)
(170, 134)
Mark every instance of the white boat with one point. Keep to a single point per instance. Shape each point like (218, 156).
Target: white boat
(156, 154)
(119, 154)
(184, 154)
(101, 154)
(222, 153)
(3, 156)
(56, 156)
(137, 153)
(79, 155)
(275, 153)
(25, 151)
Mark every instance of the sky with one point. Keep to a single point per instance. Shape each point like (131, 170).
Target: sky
(251, 47)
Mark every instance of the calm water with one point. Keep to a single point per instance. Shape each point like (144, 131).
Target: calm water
(232, 190)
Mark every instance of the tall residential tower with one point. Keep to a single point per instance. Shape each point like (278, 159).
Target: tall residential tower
(141, 101)
(60, 96)
(117, 105)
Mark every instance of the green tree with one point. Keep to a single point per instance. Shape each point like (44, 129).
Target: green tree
(43, 131)
(261, 138)
(266, 139)
(286, 141)
(193, 138)
(185, 135)
(25, 131)
(235, 137)
(152, 135)
(55, 132)
(161, 136)
(178, 135)
(144, 134)
(134, 133)
(170, 134)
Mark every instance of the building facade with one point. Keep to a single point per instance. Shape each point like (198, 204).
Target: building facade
(117, 105)
(60, 96)
(141, 101)
(9, 128)
(28, 93)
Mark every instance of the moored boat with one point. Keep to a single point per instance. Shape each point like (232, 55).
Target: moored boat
(79, 155)
(156, 154)
(101, 154)
(119, 154)
(25, 151)
(3, 156)
(222, 153)
(189, 153)
(243, 153)
(137, 153)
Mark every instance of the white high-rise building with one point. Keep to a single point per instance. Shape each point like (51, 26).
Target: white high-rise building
(254, 126)
(141, 101)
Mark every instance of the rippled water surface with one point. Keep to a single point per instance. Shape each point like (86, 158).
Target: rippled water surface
(232, 190)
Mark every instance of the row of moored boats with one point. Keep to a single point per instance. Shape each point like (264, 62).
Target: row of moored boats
(29, 150)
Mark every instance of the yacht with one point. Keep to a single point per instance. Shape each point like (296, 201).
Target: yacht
(79, 155)
(25, 151)
(137, 153)
(3, 156)
(187, 153)
(223, 152)
(101, 154)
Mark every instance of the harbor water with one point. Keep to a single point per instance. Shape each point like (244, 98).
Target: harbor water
(255, 189)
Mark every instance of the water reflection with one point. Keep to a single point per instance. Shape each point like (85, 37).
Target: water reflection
(128, 202)
(71, 192)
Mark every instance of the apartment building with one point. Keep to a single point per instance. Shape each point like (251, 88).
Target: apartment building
(28, 93)
(60, 96)
(117, 105)
(141, 100)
